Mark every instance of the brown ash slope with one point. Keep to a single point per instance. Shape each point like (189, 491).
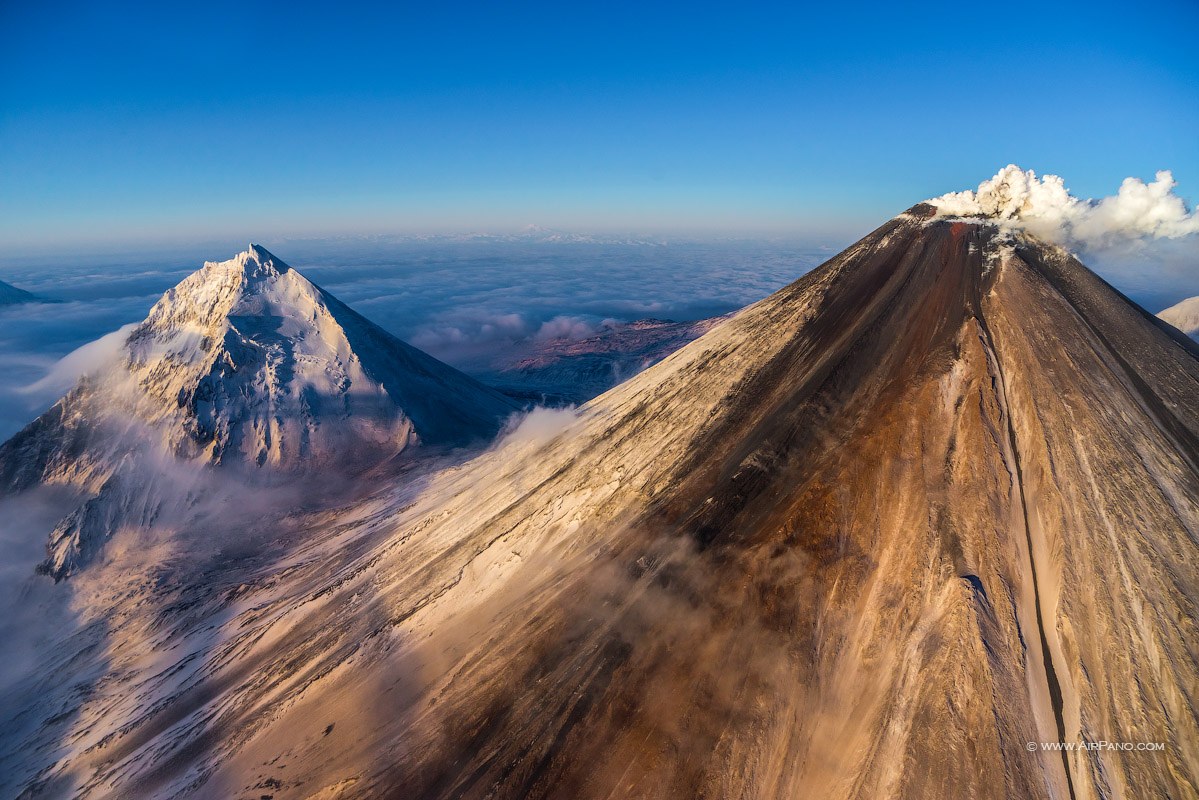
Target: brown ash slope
(951, 509)
(868, 538)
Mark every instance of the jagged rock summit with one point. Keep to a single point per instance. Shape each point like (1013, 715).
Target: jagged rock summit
(248, 364)
(252, 361)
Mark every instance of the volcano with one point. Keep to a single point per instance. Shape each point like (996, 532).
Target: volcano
(881, 534)
(245, 365)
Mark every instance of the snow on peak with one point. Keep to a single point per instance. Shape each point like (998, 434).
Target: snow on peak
(205, 299)
(247, 361)
(1184, 316)
(259, 252)
(258, 262)
(250, 358)
(1018, 199)
(244, 364)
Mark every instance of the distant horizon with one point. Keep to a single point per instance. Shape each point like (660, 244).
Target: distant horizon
(171, 124)
(1154, 273)
(117, 247)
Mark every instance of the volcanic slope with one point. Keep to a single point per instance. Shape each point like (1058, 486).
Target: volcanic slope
(868, 538)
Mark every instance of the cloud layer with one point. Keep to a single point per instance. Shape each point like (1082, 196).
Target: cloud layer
(1046, 208)
(465, 302)
(470, 303)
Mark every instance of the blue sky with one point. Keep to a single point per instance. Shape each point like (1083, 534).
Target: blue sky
(122, 124)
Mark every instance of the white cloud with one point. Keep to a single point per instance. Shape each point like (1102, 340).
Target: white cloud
(535, 428)
(1045, 207)
(565, 327)
(461, 329)
(84, 360)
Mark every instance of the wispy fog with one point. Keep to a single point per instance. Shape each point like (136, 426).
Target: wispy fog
(1156, 274)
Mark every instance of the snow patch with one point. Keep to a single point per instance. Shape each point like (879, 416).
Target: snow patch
(1184, 316)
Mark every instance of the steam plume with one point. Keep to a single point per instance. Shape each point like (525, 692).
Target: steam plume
(1045, 207)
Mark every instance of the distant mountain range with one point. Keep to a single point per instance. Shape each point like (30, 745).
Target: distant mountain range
(530, 234)
(11, 295)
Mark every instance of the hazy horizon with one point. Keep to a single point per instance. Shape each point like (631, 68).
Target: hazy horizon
(174, 124)
(464, 302)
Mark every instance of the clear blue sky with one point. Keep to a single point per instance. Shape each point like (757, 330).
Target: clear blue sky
(125, 123)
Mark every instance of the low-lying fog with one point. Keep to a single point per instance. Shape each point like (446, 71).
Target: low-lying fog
(463, 301)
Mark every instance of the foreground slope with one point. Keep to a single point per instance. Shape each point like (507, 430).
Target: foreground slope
(245, 364)
(869, 538)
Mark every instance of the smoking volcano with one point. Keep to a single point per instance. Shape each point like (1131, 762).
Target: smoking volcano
(872, 536)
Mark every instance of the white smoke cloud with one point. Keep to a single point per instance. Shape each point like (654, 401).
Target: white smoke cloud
(565, 327)
(534, 428)
(1045, 207)
(92, 357)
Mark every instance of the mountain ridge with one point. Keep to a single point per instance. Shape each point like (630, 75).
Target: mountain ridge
(244, 363)
(871, 536)
(11, 295)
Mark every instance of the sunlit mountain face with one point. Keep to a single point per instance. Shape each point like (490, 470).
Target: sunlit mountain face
(481, 305)
(244, 365)
(868, 537)
(588, 419)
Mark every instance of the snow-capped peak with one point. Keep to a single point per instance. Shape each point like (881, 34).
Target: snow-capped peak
(258, 262)
(262, 362)
(245, 363)
(208, 296)
(1184, 316)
